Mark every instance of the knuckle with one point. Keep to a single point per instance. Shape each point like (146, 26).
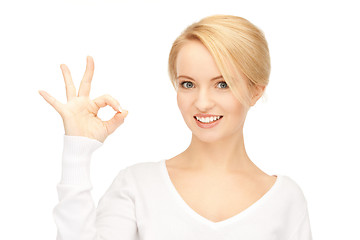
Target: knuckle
(97, 105)
(110, 99)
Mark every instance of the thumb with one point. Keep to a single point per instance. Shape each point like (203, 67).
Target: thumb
(115, 121)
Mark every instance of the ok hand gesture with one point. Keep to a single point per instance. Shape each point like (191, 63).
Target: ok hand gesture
(79, 114)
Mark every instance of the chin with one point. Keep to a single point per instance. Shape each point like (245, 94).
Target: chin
(204, 135)
(205, 140)
(207, 137)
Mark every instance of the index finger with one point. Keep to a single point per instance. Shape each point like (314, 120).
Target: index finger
(85, 84)
(69, 84)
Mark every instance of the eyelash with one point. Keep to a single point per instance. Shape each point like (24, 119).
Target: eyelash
(182, 84)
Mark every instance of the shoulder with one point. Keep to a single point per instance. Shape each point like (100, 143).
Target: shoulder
(143, 168)
(286, 204)
(290, 191)
(290, 185)
(138, 175)
(142, 171)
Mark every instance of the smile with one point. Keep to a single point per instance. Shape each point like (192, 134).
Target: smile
(208, 119)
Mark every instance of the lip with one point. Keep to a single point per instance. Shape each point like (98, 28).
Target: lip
(206, 115)
(207, 125)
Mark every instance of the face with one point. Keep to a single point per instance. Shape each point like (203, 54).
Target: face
(207, 104)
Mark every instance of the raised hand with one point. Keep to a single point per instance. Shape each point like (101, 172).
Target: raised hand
(79, 114)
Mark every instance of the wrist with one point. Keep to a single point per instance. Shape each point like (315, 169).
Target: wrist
(76, 158)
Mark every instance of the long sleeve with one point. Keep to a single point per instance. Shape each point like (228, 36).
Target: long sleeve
(76, 216)
(303, 230)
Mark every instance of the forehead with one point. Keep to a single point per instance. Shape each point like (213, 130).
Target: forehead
(195, 61)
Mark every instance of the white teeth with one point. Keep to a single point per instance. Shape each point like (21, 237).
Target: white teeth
(207, 119)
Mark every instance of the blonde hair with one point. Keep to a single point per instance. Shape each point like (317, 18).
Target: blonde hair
(238, 47)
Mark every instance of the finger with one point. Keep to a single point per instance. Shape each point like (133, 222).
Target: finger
(85, 84)
(105, 100)
(52, 101)
(115, 122)
(69, 84)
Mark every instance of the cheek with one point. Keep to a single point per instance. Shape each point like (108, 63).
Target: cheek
(183, 102)
(241, 113)
(232, 106)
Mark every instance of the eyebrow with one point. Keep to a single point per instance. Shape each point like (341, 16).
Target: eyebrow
(184, 76)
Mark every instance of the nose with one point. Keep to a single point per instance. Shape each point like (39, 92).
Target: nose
(204, 101)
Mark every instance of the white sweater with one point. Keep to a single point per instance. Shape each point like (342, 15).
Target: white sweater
(143, 204)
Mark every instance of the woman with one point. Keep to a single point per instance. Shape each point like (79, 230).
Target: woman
(219, 67)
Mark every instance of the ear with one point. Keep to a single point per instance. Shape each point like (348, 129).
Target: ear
(257, 93)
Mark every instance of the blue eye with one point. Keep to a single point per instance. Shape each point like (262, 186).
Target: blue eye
(222, 84)
(187, 84)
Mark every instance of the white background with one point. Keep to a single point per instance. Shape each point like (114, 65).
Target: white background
(307, 127)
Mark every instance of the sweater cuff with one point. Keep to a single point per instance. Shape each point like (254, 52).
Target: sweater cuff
(76, 158)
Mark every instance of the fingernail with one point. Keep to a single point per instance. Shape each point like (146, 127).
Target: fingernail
(120, 109)
(126, 113)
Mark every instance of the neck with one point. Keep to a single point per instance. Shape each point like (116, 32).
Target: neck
(225, 155)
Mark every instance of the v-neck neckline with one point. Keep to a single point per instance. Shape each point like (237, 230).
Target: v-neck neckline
(206, 221)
